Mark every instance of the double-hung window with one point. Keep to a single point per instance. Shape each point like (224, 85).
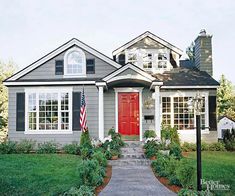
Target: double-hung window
(148, 60)
(48, 110)
(162, 60)
(132, 58)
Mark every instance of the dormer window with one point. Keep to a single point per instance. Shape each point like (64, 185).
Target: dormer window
(148, 61)
(75, 62)
(162, 60)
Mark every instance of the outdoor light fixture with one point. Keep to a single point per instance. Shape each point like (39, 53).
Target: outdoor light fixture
(196, 104)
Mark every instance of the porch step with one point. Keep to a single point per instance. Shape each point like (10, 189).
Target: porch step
(138, 155)
(130, 162)
(127, 150)
(133, 144)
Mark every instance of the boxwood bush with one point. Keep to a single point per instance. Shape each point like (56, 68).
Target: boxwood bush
(47, 148)
(72, 148)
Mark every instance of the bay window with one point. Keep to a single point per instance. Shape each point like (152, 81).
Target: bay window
(162, 60)
(48, 110)
(132, 58)
(148, 61)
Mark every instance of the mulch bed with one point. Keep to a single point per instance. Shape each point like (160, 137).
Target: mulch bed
(106, 180)
(165, 182)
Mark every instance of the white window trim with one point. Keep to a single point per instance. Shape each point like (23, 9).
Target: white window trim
(68, 75)
(38, 90)
(140, 52)
(138, 90)
(187, 94)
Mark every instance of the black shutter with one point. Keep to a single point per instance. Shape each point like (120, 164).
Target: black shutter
(59, 67)
(90, 66)
(212, 113)
(76, 111)
(20, 111)
(122, 59)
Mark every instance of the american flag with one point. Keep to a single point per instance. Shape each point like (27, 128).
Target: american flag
(83, 120)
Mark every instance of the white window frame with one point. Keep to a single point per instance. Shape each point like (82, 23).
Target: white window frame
(66, 55)
(140, 62)
(38, 90)
(187, 94)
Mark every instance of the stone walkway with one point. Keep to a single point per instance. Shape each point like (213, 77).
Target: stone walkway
(134, 181)
(132, 175)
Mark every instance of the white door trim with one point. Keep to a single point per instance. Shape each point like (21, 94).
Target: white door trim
(129, 90)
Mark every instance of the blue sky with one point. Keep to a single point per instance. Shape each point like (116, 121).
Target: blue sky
(30, 29)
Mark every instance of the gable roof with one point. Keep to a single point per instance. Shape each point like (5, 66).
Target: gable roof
(72, 42)
(145, 75)
(152, 36)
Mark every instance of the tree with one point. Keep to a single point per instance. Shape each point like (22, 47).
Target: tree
(6, 70)
(225, 98)
(190, 52)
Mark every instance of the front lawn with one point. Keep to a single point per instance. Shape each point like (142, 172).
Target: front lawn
(218, 166)
(34, 174)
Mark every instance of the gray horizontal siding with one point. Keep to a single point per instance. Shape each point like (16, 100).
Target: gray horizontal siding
(91, 93)
(47, 70)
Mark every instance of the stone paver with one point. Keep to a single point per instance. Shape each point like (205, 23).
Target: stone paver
(134, 181)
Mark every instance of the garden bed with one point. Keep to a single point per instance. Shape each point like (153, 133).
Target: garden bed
(165, 182)
(106, 180)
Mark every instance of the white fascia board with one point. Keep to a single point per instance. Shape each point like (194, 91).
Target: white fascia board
(100, 83)
(154, 37)
(189, 87)
(58, 51)
(47, 83)
(125, 67)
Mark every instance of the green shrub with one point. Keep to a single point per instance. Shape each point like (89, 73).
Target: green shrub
(188, 147)
(8, 147)
(230, 145)
(204, 146)
(73, 148)
(165, 133)
(115, 153)
(100, 157)
(217, 146)
(86, 153)
(47, 148)
(111, 132)
(189, 192)
(160, 165)
(229, 140)
(172, 164)
(108, 154)
(82, 191)
(151, 148)
(175, 150)
(85, 140)
(25, 146)
(149, 134)
(90, 173)
(185, 172)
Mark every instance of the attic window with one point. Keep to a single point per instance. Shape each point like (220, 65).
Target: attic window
(75, 62)
(132, 58)
(162, 60)
(148, 61)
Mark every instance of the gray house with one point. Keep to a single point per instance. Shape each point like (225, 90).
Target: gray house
(143, 86)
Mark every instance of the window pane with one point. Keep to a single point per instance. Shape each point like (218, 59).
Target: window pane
(75, 62)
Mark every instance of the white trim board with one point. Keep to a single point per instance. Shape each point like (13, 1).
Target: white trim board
(58, 51)
(129, 66)
(47, 83)
(137, 90)
(154, 37)
(191, 87)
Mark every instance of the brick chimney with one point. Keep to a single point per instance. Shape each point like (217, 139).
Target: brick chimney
(203, 52)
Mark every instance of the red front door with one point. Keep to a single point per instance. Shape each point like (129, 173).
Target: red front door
(128, 113)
